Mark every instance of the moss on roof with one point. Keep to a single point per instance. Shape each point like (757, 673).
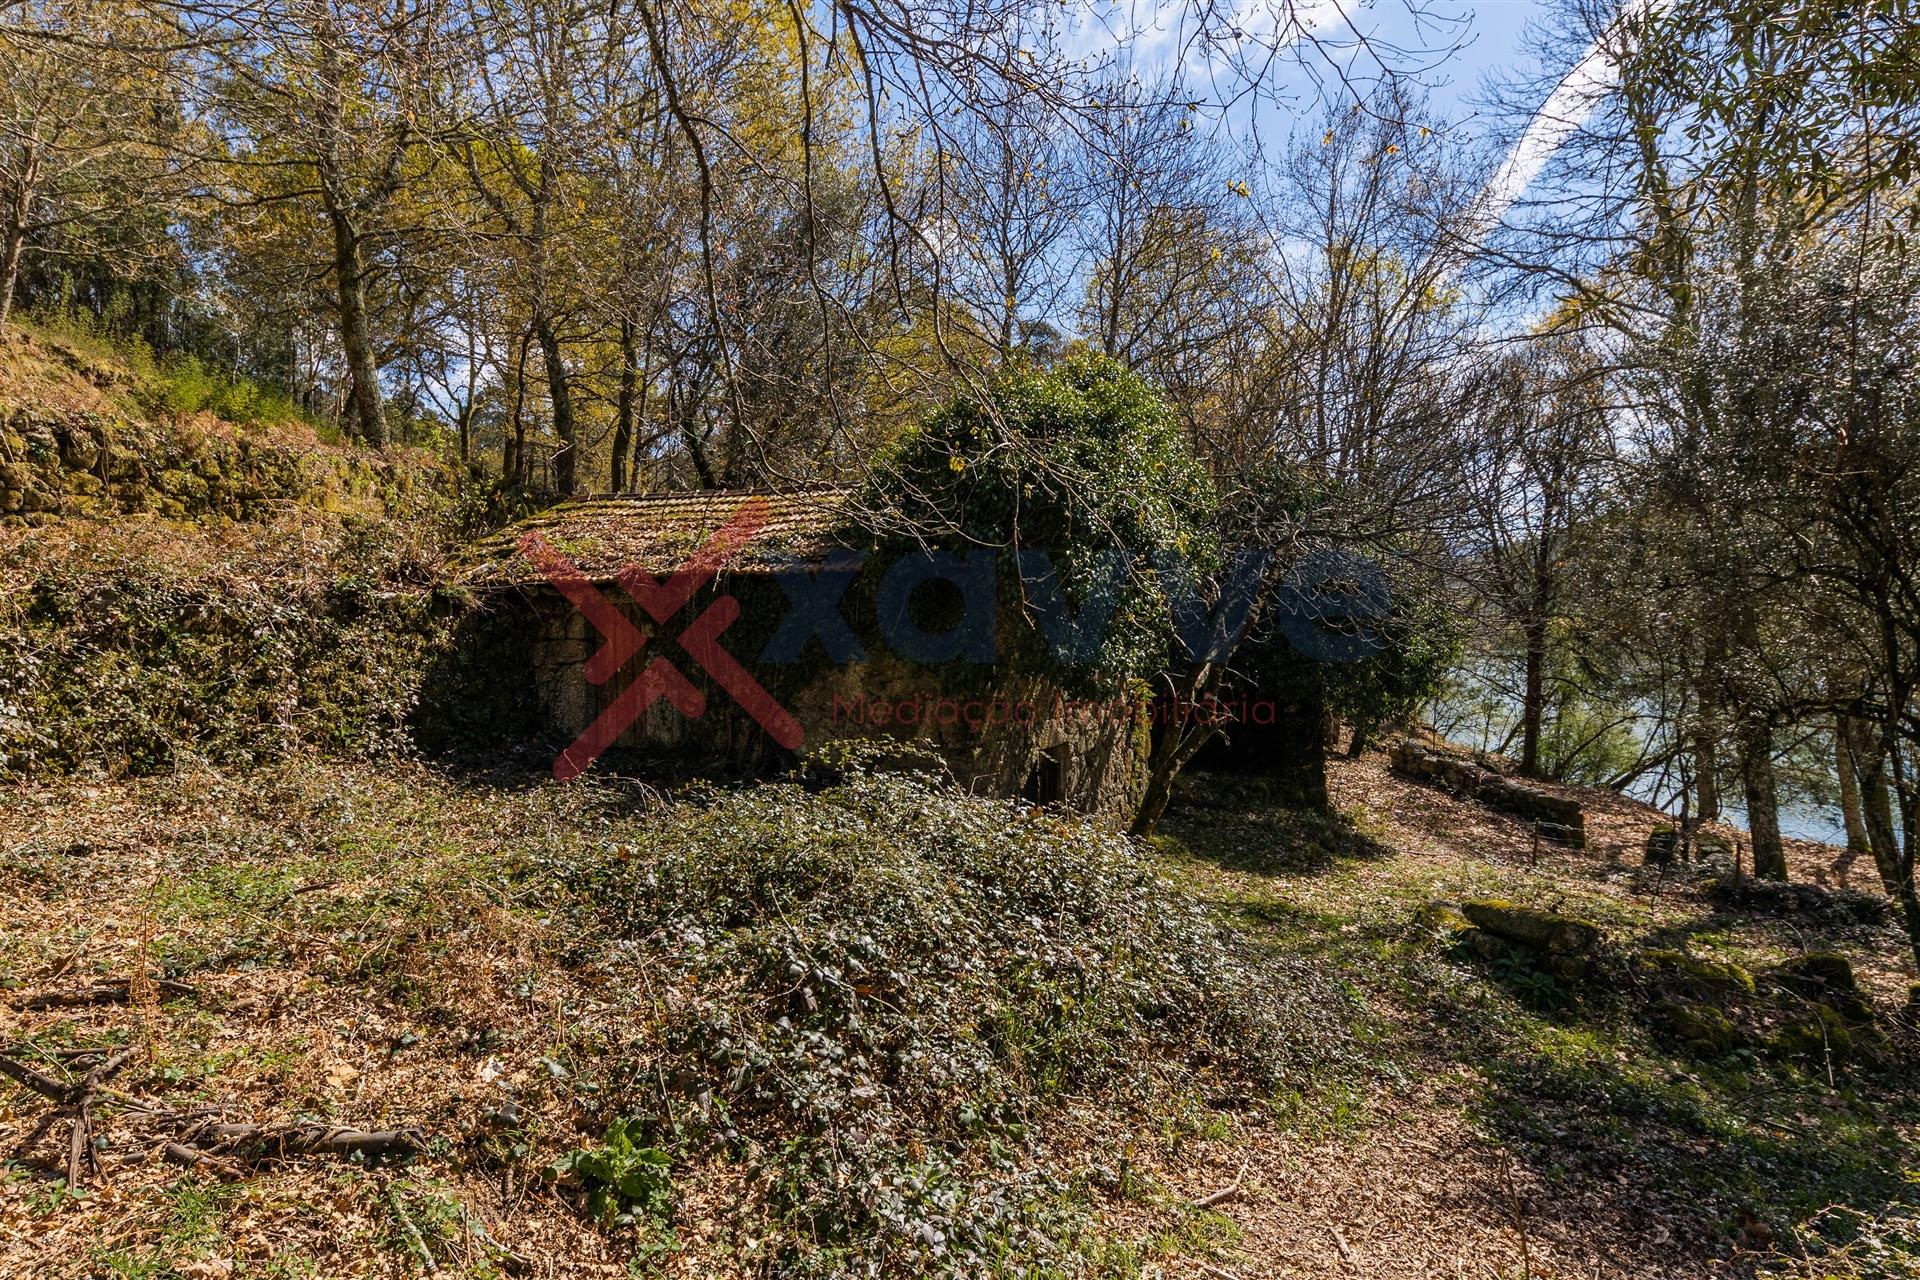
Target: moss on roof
(658, 532)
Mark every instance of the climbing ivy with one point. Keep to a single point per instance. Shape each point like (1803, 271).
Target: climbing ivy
(1083, 464)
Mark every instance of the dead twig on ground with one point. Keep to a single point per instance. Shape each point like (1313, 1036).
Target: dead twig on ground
(412, 1232)
(114, 991)
(1519, 1220)
(1225, 1193)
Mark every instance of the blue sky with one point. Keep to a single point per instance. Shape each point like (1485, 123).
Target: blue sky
(1452, 47)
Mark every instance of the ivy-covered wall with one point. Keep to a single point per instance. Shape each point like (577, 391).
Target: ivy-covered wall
(999, 731)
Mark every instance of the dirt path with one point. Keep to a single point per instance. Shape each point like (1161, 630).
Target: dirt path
(1415, 1185)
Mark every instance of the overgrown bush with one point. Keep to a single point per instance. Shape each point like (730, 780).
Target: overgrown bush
(188, 386)
(876, 995)
(1084, 464)
(133, 649)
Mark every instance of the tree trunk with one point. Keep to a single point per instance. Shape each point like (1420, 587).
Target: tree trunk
(1533, 699)
(1850, 815)
(1763, 801)
(369, 424)
(465, 425)
(1706, 775)
(16, 239)
(1174, 742)
(19, 207)
(1905, 890)
(623, 408)
(516, 442)
(1868, 759)
(560, 397)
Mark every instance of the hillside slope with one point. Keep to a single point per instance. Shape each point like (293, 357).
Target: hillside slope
(83, 433)
(873, 1027)
(177, 586)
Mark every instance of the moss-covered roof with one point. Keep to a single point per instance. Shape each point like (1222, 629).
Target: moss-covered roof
(658, 532)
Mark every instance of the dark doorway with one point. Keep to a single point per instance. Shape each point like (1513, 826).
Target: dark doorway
(1046, 782)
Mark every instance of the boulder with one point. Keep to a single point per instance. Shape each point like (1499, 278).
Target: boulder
(1441, 920)
(1532, 927)
(1693, 977)
(1817, 1032)
(1699, 1028)
(1826, 978)
(1663, 846)
(1712, 845)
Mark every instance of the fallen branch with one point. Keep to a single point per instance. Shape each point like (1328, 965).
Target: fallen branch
(25, 1076)
(253, 1142)
(80, 1152)
(117, 991)
(1225, 1193)
(198, 1133)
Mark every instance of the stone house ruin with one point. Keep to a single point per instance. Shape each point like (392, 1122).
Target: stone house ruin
(756, 586)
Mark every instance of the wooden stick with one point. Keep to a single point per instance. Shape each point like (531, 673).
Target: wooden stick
(413, 1232)
(118, 991)
(1225, 1193)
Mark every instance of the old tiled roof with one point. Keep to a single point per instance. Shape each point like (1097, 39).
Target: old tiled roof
(658, 532)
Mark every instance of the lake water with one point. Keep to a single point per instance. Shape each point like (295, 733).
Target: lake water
(1801, 820)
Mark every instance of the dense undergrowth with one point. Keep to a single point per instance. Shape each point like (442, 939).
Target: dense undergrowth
(858, 1026)
(877, 995)
(178, 587)
(123, 650)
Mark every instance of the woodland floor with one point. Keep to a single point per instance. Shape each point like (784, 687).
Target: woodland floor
(346, 928)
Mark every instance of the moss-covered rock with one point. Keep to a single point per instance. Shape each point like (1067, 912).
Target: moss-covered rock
(1825, 977)
(1699, 1028)
(1712, 845)
(1818, 1033)
(1694, 977)
(1532, 927)
(1441, 920)
(1663, 846)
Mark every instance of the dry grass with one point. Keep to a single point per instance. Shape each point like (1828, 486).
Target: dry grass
(368, 947)
(354, 963)
(1423, 1173)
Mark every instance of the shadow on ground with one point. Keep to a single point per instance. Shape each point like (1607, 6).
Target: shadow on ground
(1238, 823)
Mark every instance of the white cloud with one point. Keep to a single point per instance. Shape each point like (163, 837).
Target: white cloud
(1568, 107)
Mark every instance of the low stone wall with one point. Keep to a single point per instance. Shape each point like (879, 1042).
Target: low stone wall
(994, 740)
(1560, 820)
(55, 463)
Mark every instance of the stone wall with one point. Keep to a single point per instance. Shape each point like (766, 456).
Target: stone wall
(999, 735)
(83, 463)
(1560, 820)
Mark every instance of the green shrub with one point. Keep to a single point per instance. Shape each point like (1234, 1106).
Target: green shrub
(623, 1177)
(1085, 462)
(878, 993)
(187, 386)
